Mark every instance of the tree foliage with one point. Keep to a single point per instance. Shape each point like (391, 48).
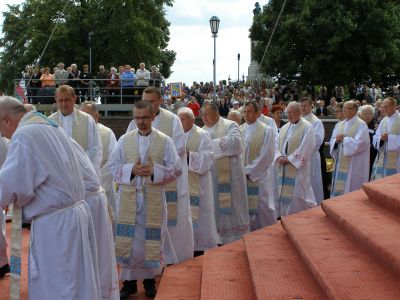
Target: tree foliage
(330, 41)
(122, 32)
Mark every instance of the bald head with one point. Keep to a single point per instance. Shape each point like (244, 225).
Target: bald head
(293, 112)
(11, 112)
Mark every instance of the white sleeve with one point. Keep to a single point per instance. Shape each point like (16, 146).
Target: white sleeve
(229, 145)
(301, 155)
(359, 143)
(171, 169)
(120, 170)
(202, 161)
(94, 151)
(179, 136)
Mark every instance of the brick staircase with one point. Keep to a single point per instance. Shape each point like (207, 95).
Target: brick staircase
(349, 248)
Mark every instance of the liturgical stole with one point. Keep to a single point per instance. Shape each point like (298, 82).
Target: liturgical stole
(105, 142)
(126, 221)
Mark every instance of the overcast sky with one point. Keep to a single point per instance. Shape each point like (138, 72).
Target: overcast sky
(191, 38)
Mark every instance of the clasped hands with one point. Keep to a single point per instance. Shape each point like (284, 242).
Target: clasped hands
(384, 137)
(283, 161)
(339, 138)
(143, 170)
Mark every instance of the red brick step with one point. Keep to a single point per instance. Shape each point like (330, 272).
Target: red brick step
(277, 269)
(343, 269)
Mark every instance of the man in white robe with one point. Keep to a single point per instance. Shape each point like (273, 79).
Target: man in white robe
(292, 163)
(78, 125)
(143, 162)
(230, 197)
(387, 141)
(50, 193)
(200, 161)
(349, 146)
(108, 143)
(96, 199)
(259, 140)
(4, 266)
(319, 134)
(179, 218)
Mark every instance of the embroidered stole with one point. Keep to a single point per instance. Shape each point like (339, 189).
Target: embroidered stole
(386, 161)
(193, 144)
(222, 166)
(252, 152)
(342, 163)
(126, 221)
(165, 125)
(287, 174)
(16, 227)
(105, 142)
(80, 127)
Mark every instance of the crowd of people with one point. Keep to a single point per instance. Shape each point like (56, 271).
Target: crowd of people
(180, 189)
(111, 84)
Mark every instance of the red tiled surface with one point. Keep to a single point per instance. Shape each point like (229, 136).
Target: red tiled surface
(342, 268)
(226, 273)
(277, 270)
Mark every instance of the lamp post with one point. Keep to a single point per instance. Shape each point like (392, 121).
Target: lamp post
(90, 51)
(214, 25)
(238, 66)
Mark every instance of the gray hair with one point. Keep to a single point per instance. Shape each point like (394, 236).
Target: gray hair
(114, 69)
(235, 113)
(187, 111)
(367, 108)
(91, 104)
(296, 105)
(11, 106)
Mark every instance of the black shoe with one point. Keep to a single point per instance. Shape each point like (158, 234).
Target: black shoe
(4, 270)
(128, 289)
(150, 287)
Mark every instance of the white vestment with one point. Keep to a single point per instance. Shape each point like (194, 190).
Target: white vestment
(393, 142)
(357, 149)
(4, 143)
(268, 121)
(182, 233)
(93, 137)
(257, 172)
(303, 195)
(41, 174)
(96, 199)
(163, 174)
(107, 180)
(201, 162)
(316, 175)
(231, 226)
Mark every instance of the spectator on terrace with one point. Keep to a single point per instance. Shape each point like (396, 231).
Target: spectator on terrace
(155, 77)
(47, 79)
(73, 79)
(142, 75)
(61, 75)
(321, 109)
(127, 80)
(113, 86)
(85, 77)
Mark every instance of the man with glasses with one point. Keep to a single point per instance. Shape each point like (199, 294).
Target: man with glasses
(387, 141)
(349, 146)
(144, 161)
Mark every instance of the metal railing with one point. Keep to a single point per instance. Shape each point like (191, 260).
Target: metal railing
(104, 91)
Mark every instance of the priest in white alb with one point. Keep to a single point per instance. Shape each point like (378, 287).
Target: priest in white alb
(4, 266)
(349, 146)
(177, 192)
(319, 135)
(200, 161)
(96, 199)
(259, 140)
(387, 141)
(144, 161)
(42, 179)
(78, 125)
(230, 197)
(292, 163)
(108, 144)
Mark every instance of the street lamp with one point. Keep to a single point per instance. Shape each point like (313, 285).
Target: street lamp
(90, 51)
(214, 25)
(238, 66)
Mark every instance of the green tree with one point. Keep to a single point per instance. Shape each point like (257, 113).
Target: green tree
(122, 32)
(330, 42)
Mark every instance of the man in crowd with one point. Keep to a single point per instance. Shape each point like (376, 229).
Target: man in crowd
(292, 161)
(61, 75)
(231, 207)
(387, 141)
(108, 143)
(142, 75)
(102, 76)
(349, 146)
(4, 266)
(144, 161)
(127, 81)
(62, 250)
(200, 161)
(319, 134)
(179, 216)
(78, 125)
(259, 140)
